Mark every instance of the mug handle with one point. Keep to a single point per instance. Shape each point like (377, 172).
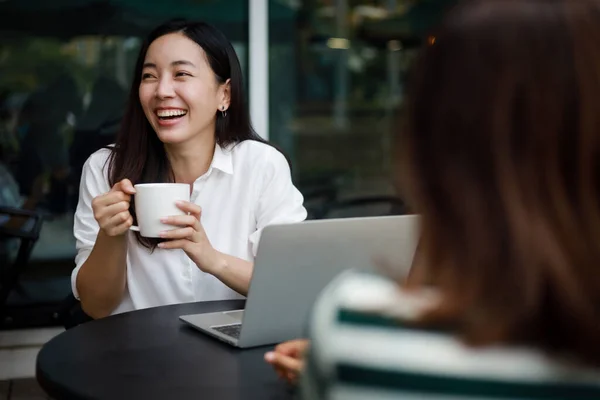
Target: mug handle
(134, 228)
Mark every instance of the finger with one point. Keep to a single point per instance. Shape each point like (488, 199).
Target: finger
(281, 372)
(289, 364)
(112, 210)
(191, 208)
(284, 362)
(110, 198)
(121, 228)
(270, 359)
(125, 186)
(286, 347)
(291, 377)
(291, 347)
(178, 233)
(175, 244)
(180, 220)
(117, 219)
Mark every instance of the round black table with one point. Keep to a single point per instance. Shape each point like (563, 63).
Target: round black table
(150, 354)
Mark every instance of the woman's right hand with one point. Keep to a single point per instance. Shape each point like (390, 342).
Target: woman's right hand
(111, 209)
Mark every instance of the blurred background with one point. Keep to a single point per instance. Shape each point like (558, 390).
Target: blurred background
(336, 73)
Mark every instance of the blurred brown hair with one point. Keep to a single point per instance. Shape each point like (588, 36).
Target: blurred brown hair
(502, 160)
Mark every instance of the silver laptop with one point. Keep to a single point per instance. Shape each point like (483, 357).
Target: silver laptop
(295, 262)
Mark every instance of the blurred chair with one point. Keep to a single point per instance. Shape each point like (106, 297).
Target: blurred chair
(369, 206)
(67, 312)
(316, 201)
(27, 234)
(320, 191)
(30, 290)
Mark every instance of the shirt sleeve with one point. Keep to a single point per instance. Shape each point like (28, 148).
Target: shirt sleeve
(279, 201)
(94, 182)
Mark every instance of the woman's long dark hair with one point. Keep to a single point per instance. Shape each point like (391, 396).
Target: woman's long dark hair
(502, 163)
(138, 154)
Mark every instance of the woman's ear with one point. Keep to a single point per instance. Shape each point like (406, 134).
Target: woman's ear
(225, 94)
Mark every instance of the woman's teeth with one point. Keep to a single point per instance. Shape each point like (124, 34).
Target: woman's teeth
(169, 114)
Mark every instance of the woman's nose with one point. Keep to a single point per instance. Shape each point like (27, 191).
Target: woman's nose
(165, 88)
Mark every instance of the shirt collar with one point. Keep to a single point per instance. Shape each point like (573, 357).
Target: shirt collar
(222, 160)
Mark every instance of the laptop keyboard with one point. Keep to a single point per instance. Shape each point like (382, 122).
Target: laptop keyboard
(229, 330)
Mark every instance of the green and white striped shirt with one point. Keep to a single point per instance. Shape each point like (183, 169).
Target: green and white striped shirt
(361, 350)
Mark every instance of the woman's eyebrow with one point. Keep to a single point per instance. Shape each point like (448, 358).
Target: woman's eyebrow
(174, 63)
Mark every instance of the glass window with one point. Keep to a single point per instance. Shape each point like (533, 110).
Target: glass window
(65, 71)
(337, 72)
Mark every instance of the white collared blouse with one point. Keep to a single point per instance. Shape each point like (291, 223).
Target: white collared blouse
(247, 187)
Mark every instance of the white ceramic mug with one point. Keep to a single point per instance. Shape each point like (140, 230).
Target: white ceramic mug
(154, 201)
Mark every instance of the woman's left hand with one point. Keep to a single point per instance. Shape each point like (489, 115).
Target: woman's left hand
(190, 237)
(288, 359)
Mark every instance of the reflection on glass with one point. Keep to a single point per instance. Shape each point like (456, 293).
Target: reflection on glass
(336, 76)
(63, 88)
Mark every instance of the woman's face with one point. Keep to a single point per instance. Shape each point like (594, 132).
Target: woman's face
(179, 92)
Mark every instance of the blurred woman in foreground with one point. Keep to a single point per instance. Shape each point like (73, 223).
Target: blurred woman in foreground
(501, 158)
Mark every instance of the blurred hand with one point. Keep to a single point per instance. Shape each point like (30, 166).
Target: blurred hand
(288, 359)
(111, 209)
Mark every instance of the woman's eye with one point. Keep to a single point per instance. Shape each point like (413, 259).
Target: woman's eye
(180, 74)
(146, 76)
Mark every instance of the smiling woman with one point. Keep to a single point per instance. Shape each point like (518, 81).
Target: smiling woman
(181, 96)
(186, 122)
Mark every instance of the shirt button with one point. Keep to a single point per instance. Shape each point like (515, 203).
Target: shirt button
(186, 271)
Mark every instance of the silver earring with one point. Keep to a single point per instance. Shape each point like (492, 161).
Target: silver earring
(223, 112)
